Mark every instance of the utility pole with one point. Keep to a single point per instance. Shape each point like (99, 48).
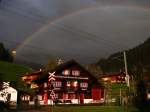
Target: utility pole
(126, 70)
(127, 75)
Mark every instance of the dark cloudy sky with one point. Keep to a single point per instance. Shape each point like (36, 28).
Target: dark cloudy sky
(86, 30)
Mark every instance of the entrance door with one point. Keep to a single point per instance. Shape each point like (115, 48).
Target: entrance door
(96, 93)
(82, 98)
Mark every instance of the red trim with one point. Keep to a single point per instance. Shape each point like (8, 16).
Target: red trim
(45, 98)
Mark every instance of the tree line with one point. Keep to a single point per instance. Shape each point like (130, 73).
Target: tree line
(5, 54)
(137, 57)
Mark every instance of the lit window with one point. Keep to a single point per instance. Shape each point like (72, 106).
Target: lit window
(25, 98)
(68, 84)
(75, 72)
(58, 84)
(65, 96)
(75, 84)
(34, 86)
(66, 72)
(22, 98)
(84, 85)
(45, 85)
(72, 96)
(39, 97)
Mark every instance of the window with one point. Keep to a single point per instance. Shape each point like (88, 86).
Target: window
(39, 97)
(68, 84)
(72, 96)
(25, 98)
(75, 84)
(58, 84)
(34, 86)
(84, 84)
(45, 85)
(66, 72)
(65, 96)
(75, 72)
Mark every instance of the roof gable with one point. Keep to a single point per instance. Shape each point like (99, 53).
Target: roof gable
(68, 65)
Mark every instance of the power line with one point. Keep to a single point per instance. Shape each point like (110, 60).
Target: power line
(88, 36)
(20, 12)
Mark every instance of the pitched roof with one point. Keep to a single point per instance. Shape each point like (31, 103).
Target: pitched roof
(33, 73)
(112, 74)
(63, 66)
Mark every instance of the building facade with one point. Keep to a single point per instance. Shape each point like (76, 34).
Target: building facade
(70, 83)
(113, 77)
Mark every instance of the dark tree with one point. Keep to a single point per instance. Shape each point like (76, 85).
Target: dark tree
(5, 55)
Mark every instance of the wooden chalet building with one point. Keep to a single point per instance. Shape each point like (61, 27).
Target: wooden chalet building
(28, 78)
(72, 84)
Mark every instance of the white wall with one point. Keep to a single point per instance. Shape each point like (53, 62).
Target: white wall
(75, 101)
(11, 91)
(88, 101)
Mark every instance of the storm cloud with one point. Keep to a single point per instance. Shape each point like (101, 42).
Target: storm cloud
(85, 30)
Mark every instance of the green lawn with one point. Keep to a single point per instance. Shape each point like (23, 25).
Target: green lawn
(11, 72)
(91, 109)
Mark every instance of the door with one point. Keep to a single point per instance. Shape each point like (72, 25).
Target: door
(82, 98)
(96, 93)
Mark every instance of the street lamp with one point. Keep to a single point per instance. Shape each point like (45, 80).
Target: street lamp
(14, 52)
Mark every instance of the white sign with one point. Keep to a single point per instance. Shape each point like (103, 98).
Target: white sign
(51, 76)
(6, 84)
(52, 93)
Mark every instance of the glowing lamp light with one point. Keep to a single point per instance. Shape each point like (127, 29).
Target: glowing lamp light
(14, 52)
(105, 79)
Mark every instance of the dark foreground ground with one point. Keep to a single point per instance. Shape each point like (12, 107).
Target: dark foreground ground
(70, 108)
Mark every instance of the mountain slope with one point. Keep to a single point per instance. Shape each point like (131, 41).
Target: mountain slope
(136, 57)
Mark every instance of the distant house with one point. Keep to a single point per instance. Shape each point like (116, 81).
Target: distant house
(146, 79)
(73, 84)
(118, 77)
(9, 95)
(29, 77)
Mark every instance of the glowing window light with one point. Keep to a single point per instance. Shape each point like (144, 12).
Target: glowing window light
(68, 84)
(75, 72)
(75, 83)
(66, 72)
(105, 79)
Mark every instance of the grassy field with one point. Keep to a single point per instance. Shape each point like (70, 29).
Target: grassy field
(10, 72)
(91, 109)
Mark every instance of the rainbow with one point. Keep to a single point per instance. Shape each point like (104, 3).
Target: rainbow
(45, 27)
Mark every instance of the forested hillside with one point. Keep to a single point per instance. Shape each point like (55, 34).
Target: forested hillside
(138, 57)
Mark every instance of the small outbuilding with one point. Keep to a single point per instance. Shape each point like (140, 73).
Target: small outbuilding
(9, 95)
